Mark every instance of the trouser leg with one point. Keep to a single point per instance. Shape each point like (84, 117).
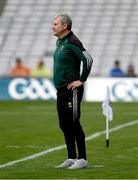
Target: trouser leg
(65, 122)
(80, 140)
(68, 106)
(78, 131)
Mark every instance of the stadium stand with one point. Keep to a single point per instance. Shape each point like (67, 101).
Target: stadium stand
(108, 29)
(2, 3)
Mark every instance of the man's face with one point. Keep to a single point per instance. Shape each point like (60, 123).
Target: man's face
(58, 28)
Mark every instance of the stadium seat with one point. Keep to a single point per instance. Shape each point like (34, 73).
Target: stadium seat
(108, 30)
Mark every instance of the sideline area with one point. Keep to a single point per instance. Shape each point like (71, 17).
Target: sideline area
(92, 136)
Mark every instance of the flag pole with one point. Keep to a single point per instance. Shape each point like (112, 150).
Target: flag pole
(107, 132)
(107, 120)
(107, 112)
(107, 117)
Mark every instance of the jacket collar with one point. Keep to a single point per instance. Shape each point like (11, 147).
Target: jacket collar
(66, 36)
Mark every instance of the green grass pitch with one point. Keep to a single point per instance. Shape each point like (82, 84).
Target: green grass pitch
(27, 128)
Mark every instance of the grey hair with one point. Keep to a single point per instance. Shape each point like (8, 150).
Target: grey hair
(66, 19)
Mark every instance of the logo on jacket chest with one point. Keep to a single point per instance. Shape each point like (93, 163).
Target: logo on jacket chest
(62, 48)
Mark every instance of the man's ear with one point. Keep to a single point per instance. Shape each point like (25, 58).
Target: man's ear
(65, 26)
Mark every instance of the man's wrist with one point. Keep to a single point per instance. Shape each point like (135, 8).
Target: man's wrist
(81, 81)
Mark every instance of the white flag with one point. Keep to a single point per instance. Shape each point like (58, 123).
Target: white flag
(106, 106)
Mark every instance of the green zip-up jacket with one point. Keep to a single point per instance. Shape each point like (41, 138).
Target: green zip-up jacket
(67, 61)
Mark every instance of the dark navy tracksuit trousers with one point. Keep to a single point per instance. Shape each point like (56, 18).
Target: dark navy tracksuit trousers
(68, 107)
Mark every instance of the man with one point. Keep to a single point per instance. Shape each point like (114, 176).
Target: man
(69, 84)
(116, 71)
(19, 69)
(40, 70)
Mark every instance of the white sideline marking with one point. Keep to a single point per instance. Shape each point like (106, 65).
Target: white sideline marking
(63, 146)
(17, 147)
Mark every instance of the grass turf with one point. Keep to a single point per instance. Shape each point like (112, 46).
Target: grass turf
(27, 128)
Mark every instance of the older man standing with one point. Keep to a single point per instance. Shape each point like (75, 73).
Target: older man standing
(69, 81)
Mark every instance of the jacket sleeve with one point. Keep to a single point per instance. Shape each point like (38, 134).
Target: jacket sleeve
(86, 59)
